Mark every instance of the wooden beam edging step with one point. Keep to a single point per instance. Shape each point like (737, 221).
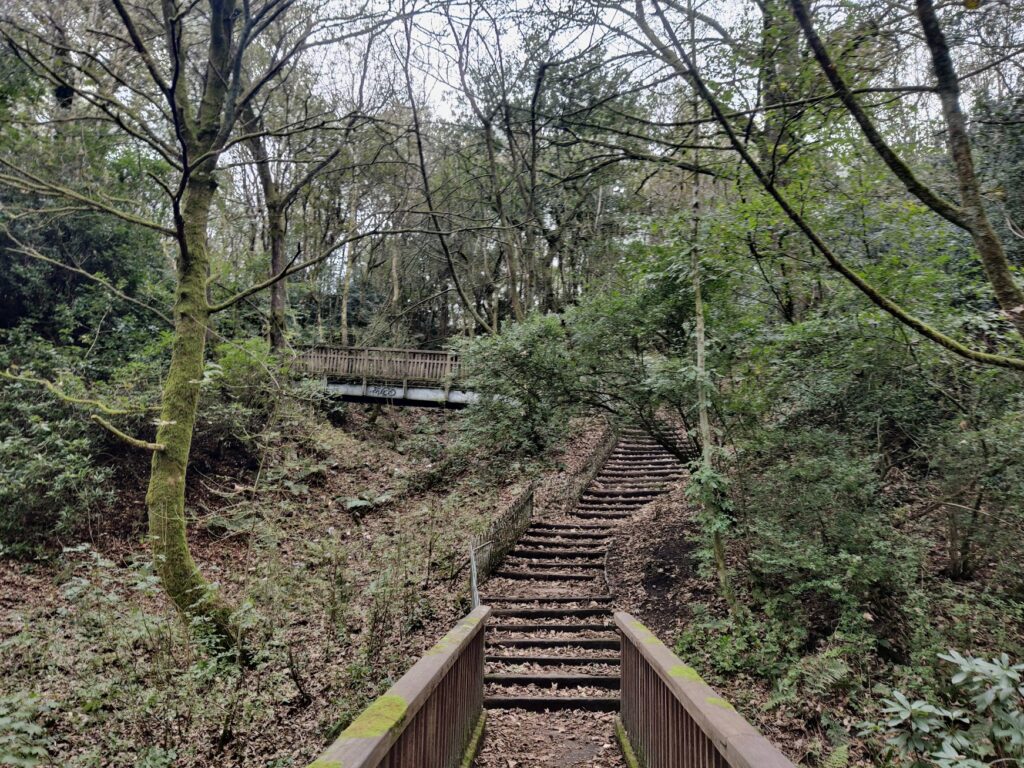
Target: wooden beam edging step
(410, 725)
(663, 736)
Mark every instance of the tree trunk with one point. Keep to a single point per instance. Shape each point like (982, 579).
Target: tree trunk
(279, 290)
(712, 511)
(165, 499)
(350, 265)
(276, 230)
(990, 248)
(396, 286)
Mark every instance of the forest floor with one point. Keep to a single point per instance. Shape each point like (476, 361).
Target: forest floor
(347, 561)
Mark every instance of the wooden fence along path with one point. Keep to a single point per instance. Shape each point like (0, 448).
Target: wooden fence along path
(434, 716)
(670, 718)
(422, 377)
(430, 717)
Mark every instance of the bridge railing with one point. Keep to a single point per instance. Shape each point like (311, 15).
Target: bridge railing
(670, 717)
(431, 717)
(380, 364)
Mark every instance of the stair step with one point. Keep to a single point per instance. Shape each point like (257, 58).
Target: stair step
(551, 627)
(556, 553)
(579, 542)
(597, 681)
(613, 505)
(561, 564)
(603, 515)
(604, 493)
(569, 527)
(567, 534)
(543, 576)
(661, 485)
(589, 507)
(542, 703)
(550, 599)
(631, 480)
(536, 613)
(659, 462)
(553, 661)
(554, 642)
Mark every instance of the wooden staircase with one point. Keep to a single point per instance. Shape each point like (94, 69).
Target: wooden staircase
(551, 643)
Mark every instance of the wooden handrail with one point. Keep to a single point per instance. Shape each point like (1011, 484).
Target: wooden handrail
(427, 718)
(673, 718)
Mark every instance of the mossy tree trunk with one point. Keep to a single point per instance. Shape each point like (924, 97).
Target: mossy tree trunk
(165, 499)
(202, 134)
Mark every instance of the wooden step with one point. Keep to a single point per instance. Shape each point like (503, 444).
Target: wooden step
(554, 642)
(556, 553)
(562, 564)
(544, 703)
(553, 661)
(543, 576)
(584, 536)
(630, 502)
(659, 462)
(622, 484)
(562, 681)
(536, 541)
(568, 527)
(549, 599)
(551, 627)
(537, 613)
(590, 507)
(616, 493)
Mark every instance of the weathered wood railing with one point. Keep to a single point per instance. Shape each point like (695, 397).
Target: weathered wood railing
(431, 718)
(487, 550)
(670, 717)
(421, 366)
(609, 438)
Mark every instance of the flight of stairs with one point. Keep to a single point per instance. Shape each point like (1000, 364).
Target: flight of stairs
(551, 642)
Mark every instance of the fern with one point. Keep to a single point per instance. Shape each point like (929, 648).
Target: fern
(840, 757)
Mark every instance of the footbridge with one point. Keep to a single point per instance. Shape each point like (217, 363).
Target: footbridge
(545, 672)
(416, 377)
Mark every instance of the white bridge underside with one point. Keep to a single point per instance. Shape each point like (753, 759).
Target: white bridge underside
(398, 394)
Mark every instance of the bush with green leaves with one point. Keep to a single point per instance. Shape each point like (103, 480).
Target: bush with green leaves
(617, 353)
(820, 555)
(50, 477)
(523, 378)
(980, 722)
(246, 371)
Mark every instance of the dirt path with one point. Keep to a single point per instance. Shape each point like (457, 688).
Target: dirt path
(552, 675)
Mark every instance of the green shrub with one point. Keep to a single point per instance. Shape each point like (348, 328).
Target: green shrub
(521, 376)
(50, 480)
(980, 722)
(821, 554)
(246, 372)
